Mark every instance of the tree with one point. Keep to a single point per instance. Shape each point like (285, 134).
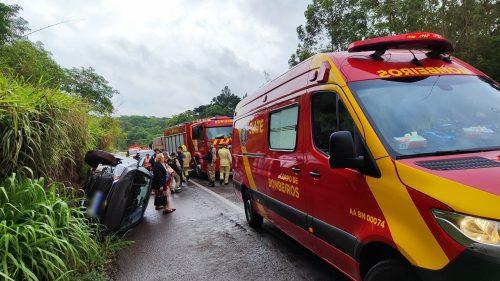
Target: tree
(142, 130)
(226, 103)
(330, 26)
(11, 25)
(86, 83)
(471, 25)
(31, 62)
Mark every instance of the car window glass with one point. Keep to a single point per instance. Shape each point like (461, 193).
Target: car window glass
(283, 128)
(324, 115)
(433, 114)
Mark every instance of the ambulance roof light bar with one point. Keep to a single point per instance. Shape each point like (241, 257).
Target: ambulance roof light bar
(437, 44)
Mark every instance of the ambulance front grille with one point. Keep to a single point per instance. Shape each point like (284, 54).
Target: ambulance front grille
(459, 164)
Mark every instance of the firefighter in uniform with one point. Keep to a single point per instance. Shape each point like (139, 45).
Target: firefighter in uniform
(210, 158)
(225, 164)
(186, 162)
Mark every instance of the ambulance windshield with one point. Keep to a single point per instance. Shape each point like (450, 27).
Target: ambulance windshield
(219, 132)
(433, 115)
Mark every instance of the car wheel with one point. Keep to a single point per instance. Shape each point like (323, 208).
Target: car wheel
(254, 220)
(391, 270)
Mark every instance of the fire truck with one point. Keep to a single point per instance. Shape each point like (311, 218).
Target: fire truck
(195, 136)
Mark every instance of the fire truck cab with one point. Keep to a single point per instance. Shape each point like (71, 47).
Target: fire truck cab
(383, 160)
(195, 136)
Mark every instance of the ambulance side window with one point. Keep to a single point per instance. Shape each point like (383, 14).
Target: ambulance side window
(329, 115)
(324, 118)
(346, 123)
(283, 128)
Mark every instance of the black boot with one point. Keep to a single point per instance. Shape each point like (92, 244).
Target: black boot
(211, 184)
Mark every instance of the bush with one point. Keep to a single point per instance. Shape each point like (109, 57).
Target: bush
(41, 236)
(43, 129)
(23, 58)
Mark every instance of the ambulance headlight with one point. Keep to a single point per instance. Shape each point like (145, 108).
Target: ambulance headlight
(468, 229)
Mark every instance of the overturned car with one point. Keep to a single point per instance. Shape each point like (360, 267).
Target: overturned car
(117, 190)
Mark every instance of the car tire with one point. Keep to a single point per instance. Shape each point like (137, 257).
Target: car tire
(253, 218)
(391, 270)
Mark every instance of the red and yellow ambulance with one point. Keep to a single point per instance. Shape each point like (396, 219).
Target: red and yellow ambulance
(383, 160)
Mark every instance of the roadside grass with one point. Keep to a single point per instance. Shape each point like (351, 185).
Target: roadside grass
(41, 128)
(44, 237)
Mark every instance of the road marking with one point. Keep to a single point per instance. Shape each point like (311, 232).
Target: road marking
(222, 199)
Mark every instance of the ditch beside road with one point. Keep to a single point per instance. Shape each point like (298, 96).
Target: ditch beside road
(207, 238)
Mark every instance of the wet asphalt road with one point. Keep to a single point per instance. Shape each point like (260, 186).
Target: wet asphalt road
(207, 238)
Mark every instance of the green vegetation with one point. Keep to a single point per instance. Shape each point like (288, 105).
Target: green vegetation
(41, 128)
(142, 129)
(86, 83)
(471, 25)
(12, 27)
(43, 237)
(32, 62)
(49, 117)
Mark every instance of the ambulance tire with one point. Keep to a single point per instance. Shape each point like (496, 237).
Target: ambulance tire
(391, 270)
(254, 220)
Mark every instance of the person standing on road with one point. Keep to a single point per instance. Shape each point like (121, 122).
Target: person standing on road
(186, 162)
(159, 179)
(160, 182)
(147, 162)
(225, 164)
(152, 161)
(177, 171)
(210, 158)
(180, 158)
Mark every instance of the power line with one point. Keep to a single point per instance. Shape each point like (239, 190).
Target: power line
(48, 26)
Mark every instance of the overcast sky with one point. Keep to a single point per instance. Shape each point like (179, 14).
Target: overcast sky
(167, 56)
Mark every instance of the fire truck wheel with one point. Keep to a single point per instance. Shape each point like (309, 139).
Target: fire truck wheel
(391, 270)
(254, 220)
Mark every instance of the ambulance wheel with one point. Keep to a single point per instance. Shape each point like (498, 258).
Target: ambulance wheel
(254, 220)
(391, 270)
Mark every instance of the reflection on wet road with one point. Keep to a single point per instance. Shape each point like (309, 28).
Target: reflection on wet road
(208, 239)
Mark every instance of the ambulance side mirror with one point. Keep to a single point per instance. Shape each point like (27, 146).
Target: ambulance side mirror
(342, 154)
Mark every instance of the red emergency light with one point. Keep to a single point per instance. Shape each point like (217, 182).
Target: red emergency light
(436, 43)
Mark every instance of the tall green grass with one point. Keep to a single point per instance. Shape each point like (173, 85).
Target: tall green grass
(43, 129)
(41, 236)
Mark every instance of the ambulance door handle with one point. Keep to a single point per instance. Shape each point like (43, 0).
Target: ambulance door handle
(296, 169)
(315, 174)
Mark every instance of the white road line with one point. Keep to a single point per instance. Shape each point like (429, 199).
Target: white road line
(224, 200)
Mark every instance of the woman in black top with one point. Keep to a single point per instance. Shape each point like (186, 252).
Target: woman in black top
(159, 182)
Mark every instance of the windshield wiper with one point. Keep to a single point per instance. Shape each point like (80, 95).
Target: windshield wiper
(449, 152)
(456, 151)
